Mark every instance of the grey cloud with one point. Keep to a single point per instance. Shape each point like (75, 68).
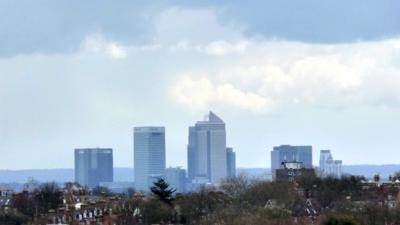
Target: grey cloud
(52, 103)
(328, 21)
(59, 26)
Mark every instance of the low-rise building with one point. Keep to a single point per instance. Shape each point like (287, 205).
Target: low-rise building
(292, 170)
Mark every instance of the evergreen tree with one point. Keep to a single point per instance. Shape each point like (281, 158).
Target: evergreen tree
(161, 189)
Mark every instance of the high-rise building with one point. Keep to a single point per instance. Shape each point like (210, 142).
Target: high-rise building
(288, 153)
(324, 157)
(328, 166)
(149, 156)
(231, 162)
(207, 150)
(176, 178)
(93, 166)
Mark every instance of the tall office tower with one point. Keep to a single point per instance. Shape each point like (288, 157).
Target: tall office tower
(149, 156)
(231, 162)
(207, 150)
(176, 178)
(93, 165)
(324, 157)
(328, 166)
(288, 153)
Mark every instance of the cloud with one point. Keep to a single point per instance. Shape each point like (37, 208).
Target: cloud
(130, 22)
(96, 43)
(224, 47)
(92, 95)
(116, 51)
(198, 26)
(201, 94)
(215, 48)
(282, 73)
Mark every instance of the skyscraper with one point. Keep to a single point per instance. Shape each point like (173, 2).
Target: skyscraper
(288, 153)
(149, 155)
(176, 178)
(231, 162)
(207, 149)
(93, 165)
(328, 166)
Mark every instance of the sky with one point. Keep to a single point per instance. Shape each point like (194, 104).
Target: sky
(77, 74)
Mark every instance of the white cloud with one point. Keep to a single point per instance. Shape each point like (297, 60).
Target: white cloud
(258, 75)
(96, 43)
(220, 48)
(198, 63)
(285, 73)
(280, 72)
(198, 26)
(116, 51)
(216, 48)
(202, 94)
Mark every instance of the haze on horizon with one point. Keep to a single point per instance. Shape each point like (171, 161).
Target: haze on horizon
(79, 74)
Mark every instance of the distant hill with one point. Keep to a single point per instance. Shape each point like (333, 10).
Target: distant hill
(126, 174)
(56, 175)
(370, 170)
(264, 173)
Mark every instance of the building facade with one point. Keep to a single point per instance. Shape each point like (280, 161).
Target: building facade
(293, 170)
(149, 156)
(176, 178)
(328, 166)
(231, 162)
(207, 156)
(289, 153)
(93, 166)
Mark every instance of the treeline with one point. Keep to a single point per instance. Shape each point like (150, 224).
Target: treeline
(28, 204)
(237, 201)
(309, 200)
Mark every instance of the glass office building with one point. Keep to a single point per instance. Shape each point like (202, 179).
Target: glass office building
(93, 166)
(231, 162)
(149, 156)
(207, 158)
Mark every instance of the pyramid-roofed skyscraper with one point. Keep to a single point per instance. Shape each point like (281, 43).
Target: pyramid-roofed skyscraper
(207, 149)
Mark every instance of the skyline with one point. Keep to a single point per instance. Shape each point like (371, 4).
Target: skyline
(315, 157)
(210, 114)
(324, 74)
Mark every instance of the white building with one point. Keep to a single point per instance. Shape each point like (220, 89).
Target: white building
(328, 166)
(149, 156)
(207, 157)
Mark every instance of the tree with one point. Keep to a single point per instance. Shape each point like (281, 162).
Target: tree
(203, 206)
(102, 191)
(162, 190)
(130, 192)
(24, 203)
(340, 219)
(13, 219)
(396, 176)
(156, 212)
(48, 196)
(235, 186)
